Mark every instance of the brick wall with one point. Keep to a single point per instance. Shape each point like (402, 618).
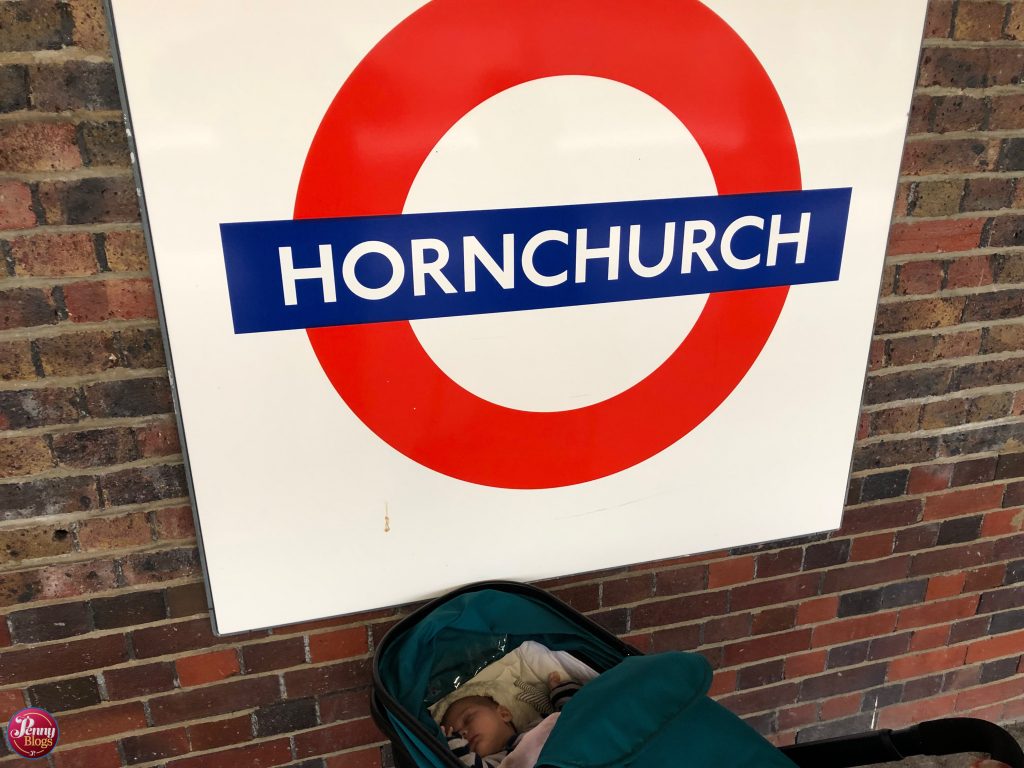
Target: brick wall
(914, 609)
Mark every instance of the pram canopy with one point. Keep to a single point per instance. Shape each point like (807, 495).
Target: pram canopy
(642, 711)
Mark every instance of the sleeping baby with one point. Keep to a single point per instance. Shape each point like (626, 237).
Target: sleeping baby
(481, 732)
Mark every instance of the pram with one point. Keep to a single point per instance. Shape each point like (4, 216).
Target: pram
(446, 642)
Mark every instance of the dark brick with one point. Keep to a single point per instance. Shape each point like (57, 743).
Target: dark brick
(214, 699)
(52, 622)
(987, 194)
(132, 682)
(1014, 573)
(285, 717)
(328, 679)
(1010, 465)
(959, 530)
(776, 591)
(760, 699)
(133, 397)
(922, 687)
(903, 593)
(882, 697)
(880, 516)
(773, 620)
(63, 659)
(843, 681)
(1006, 232)
(887, 453)
(973, 472)
(280, 654)
(918, 537)
(347, 705)
(186, 600)
(128, 610)
(1006, 622)
(999, 670)
(173, 638)
(1012, 158)
(142, 348)
(969, 629)
(888, 646)
(720, 628)
(25, 308)
(884, 485)
(38, 408)
(995, 305)
(826, 554)
(859, 603)
(90, 201)
(144, 484)
(73, 85)
(846, 727)
(990, 438)
(53, 496)
(766, 546)
(847, 655)
(903, 385)
(97, 447)
(615, 621)
(63, 695)
(13, 88)
(155, 745)
(34, 25)
(154, 567)
(1001, 600)
(104, 144)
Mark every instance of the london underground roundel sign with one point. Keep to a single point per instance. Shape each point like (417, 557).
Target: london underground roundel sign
(446, 59)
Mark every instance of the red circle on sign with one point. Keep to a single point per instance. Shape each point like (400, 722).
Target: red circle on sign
(32, 732)
(421, 79)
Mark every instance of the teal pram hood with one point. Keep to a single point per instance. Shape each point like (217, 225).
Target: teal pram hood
(642, 711)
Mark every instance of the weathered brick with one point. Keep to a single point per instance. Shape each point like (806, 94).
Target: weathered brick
(104, 144)
(761, 699)
(128, 610)
(139, 680)
(75, 354)
(52, 622)
(97, 447)
(155, 745)
(260, 755)
(903, 385)
(1012, 156)
(988, 438)
(719, 628)
(681, 580)
(36, 146)
(327, 679)
(155, 567)
(31, 25)
(16, 211)
(979, 21)
(843, 681)
(780, 562)
(895, 514)
(1006, 111)
(16, 361)
(285, 717)
(679, 609)
(126, 251)
(130, 397)
(987, 195)
(629, 590)
(94, 302)
(1003, 338)
(939, 235)
(57, 87)
(174, 523)
(52, 255)
(927, 348)
(865, 574)
(173, 638)
(92, 756)
(186, 600)
(971, 67)
(90, 28)
(27, 307)
(73, 658)
(887, 453)
(92, 200)
(997, 305)
(933, 198)
(52, 496)
(769, 592)
(142, 348)
(118, 532)
(102, 722)
(1006, 232)
(346, 705)
(973, 471)
(23, 544)
(944, 413)
(942, 561)
(884, 485)
(62, 695)
(24, 456)
(340, 736)
(13, 88)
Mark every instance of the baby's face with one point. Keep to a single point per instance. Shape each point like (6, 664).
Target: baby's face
(486, 726)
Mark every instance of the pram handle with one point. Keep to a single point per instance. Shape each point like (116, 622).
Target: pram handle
(948, 736)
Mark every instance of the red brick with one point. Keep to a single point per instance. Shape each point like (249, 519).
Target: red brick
(847, 630)
(914, 712)
(93, 756)
(341, 644)
(841, 706)
(866, 574)
(679, 609)
(102, 722)
(110, 300)
(953, 558)
(362, 758)
(262, 755)
(737, 570)
(774, 620)
(921, 664)
(795, 717)
(629, 590)
(583, 597)
(680, 580)
(139, 680)
(937, 613)
(943, 156)
(56, 660)
(720, 628)
(207, 667)
(214, 700)
(930, 637)
(354, 733)
(174, 523)
(939, 20)
(969, 272)
(10, 702)
(817, 610)
(990, 694)
(871, 547)
(16, 206)
(173, 638)
(996, 647)
(918, 277)
(155, 745)
(979, 21)
(763, 593)
(114, 532)
(945, 585)
(38, 146)
(264, 657)
(54, 255)
(965, 502)
(803, 664)
(772, 646)
(159, 438)
(1003, 522)
(932, 477)
(723, 682)
(984, 578)
(220, 733)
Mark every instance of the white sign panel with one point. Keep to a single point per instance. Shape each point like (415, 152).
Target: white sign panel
(476, 289)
